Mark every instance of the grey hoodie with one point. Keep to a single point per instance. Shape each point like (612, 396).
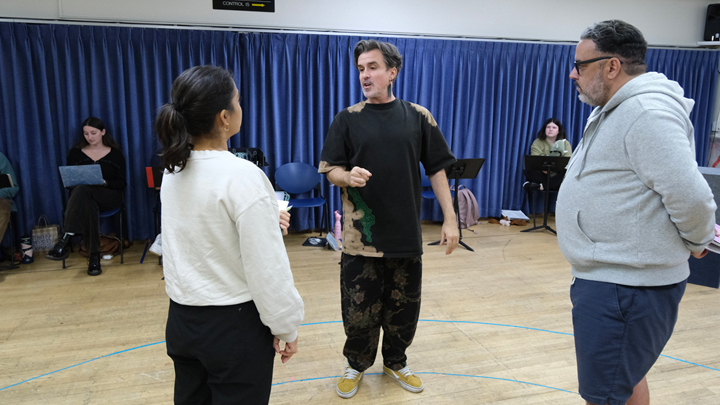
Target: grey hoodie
(633, 205)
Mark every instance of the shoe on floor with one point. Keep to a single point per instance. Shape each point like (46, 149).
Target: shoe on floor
(94, 265)
(406, 378)
(348, 384)
(61, 250)
(27, 251)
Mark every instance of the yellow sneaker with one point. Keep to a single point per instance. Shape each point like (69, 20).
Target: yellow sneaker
(348, 384)
(406, 378)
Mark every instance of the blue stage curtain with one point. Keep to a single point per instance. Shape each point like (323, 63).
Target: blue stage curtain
(696, 72)
(489, 99)
(292, 86)
(54, 76)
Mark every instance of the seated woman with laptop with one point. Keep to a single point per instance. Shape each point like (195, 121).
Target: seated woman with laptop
(95, 146)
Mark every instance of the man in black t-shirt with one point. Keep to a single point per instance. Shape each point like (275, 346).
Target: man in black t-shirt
(372, 152)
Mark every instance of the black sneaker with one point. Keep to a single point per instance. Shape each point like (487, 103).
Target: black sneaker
(61, 250)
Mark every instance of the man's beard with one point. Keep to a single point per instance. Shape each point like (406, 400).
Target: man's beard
(377, 92)
(595, 93)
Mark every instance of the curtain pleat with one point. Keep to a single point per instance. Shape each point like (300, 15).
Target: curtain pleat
(54, 76)
(489, 98)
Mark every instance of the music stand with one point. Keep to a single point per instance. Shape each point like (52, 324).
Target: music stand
(461, 169)
(547, 164)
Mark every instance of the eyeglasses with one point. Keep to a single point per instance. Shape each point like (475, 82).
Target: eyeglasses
(579, 63)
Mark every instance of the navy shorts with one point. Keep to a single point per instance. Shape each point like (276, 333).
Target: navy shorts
(620, 332)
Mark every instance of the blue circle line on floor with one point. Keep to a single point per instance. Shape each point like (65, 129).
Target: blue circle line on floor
(499, 324)
(468, 322)
(329, 322)
(435, 373)
(79, 364)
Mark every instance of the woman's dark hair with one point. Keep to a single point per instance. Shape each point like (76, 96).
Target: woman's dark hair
(96, 123)
(561, 129)
(197, 96)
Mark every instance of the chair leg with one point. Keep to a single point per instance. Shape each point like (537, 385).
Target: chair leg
(122, 240)
(322, 219)
(325, 219)
(329, 217)
(531, 203)
(71, 250)
(62, 217)
(12, 241)
(158, 224)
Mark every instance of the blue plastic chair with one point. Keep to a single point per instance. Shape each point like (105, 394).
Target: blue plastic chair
(120, 210)
(109, 213)
(429, 194)
(301, 178)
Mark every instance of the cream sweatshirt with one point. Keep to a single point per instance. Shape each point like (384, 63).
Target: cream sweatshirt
(222, 244)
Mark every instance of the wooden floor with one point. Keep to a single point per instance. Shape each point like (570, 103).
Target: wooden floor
(495, 329)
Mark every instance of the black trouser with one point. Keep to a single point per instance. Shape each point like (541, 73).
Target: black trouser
(222, 354)
(81, 214)
(379, 292)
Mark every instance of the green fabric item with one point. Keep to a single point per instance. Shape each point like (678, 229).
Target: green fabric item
(541, 147)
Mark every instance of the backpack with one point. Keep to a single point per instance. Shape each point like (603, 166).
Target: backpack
(109, 245)
(468, 206)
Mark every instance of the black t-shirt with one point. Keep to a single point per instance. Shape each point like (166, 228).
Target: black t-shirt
(382, 219)
(112, 166)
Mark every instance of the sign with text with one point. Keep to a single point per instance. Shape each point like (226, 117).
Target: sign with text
(267, 6)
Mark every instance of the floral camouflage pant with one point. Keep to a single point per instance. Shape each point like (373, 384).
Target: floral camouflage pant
(379, 292)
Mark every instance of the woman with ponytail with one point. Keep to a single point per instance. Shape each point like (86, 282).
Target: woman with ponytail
(232, 295)
(95, 146)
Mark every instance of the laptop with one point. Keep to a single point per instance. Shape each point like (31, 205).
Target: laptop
(81, 175)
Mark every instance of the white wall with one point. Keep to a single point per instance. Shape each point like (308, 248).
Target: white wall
(664, 22)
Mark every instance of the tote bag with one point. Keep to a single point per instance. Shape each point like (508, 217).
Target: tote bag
(44, 236)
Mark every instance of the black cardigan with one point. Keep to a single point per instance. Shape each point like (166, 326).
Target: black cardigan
(112, 166)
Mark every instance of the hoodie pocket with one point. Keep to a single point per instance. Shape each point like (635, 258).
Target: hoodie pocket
(575, 245)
